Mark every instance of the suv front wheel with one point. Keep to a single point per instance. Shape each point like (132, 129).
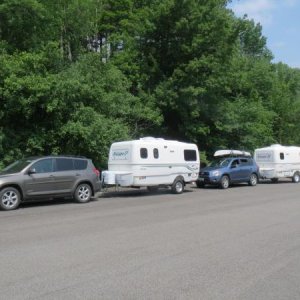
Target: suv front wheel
(10, 198)
(83, 193)
(224, 182)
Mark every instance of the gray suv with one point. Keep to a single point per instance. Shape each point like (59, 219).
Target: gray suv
(48, 177)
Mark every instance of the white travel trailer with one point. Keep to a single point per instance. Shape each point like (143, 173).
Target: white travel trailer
(152, 162)
(278, 161)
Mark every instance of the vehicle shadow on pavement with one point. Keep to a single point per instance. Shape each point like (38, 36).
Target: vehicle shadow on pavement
(126, 193)
(58, 201)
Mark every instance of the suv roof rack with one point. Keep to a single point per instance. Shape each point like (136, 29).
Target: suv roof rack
(231, 153)
(60, 155)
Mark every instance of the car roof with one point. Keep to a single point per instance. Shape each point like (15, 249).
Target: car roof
(55, 156)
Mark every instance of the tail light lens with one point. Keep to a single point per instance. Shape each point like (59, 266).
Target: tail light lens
(96, 171)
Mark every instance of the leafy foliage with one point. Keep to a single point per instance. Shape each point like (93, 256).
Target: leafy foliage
(77, 75)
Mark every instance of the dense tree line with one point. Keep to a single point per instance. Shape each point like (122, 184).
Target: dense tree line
(76, 75)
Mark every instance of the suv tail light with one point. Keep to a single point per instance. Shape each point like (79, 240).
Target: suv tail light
(96, 171)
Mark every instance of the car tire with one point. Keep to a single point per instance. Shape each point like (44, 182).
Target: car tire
(83, 193)
(274, 180)
(200, 184)
(177, 186)
(10, 198)
(253, 179)
(225, 182)
(296, 177)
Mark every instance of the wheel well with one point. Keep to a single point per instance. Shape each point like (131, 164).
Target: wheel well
(226, 175)
(87, 182)
(14, 186)
(179, 178)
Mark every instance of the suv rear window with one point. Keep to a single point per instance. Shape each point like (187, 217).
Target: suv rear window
(64, 164)
(80, 164)
(190, 155)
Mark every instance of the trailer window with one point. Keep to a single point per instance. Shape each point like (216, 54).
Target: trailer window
(144, 152)
(281, 155)
(155, 153)
(190, 155)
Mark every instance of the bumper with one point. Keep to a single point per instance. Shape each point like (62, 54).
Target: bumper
(209, 180)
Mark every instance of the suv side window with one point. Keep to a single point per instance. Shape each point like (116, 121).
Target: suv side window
(235, 163)
(64, 164)
(80, 164)
(245, 162)
(43, 166)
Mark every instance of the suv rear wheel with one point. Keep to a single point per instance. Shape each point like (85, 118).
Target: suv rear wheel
(10, 198)
(83, 193)
(253, 179)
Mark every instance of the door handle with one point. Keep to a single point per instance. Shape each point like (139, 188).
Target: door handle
(77, 174)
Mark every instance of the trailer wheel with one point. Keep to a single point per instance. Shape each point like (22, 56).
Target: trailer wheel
(296, 177)
(177, 186)
(274, 180)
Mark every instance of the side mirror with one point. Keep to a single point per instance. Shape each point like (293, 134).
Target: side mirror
(31, 171)
(233, 166)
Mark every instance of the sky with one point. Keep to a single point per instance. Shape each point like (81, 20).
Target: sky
(280, 20)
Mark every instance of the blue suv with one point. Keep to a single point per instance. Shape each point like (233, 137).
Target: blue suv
(223, 171)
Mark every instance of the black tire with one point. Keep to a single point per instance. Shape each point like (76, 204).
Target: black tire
(200, 184)
(225, 182)
(10, 198)
(152, 189)
(296, 177)
(253, 179)
(177, 186)
(83, 193)
(274, 180)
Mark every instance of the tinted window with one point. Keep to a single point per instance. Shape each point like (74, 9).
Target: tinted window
(43, 166)
(281, 155)
(155, 153)
(64, 164)
(246, 161)
(190, 155)
(235, 163)
(144, 152)
(80, 164)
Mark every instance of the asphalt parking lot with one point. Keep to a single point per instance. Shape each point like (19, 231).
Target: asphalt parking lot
(240, 243)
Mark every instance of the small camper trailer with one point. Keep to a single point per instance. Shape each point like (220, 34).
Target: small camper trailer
(278, 161)
(152, 162)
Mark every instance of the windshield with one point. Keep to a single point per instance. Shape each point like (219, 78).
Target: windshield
(17, 166)
(220, 162)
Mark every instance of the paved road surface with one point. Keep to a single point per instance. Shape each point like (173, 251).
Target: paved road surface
(240, 243)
